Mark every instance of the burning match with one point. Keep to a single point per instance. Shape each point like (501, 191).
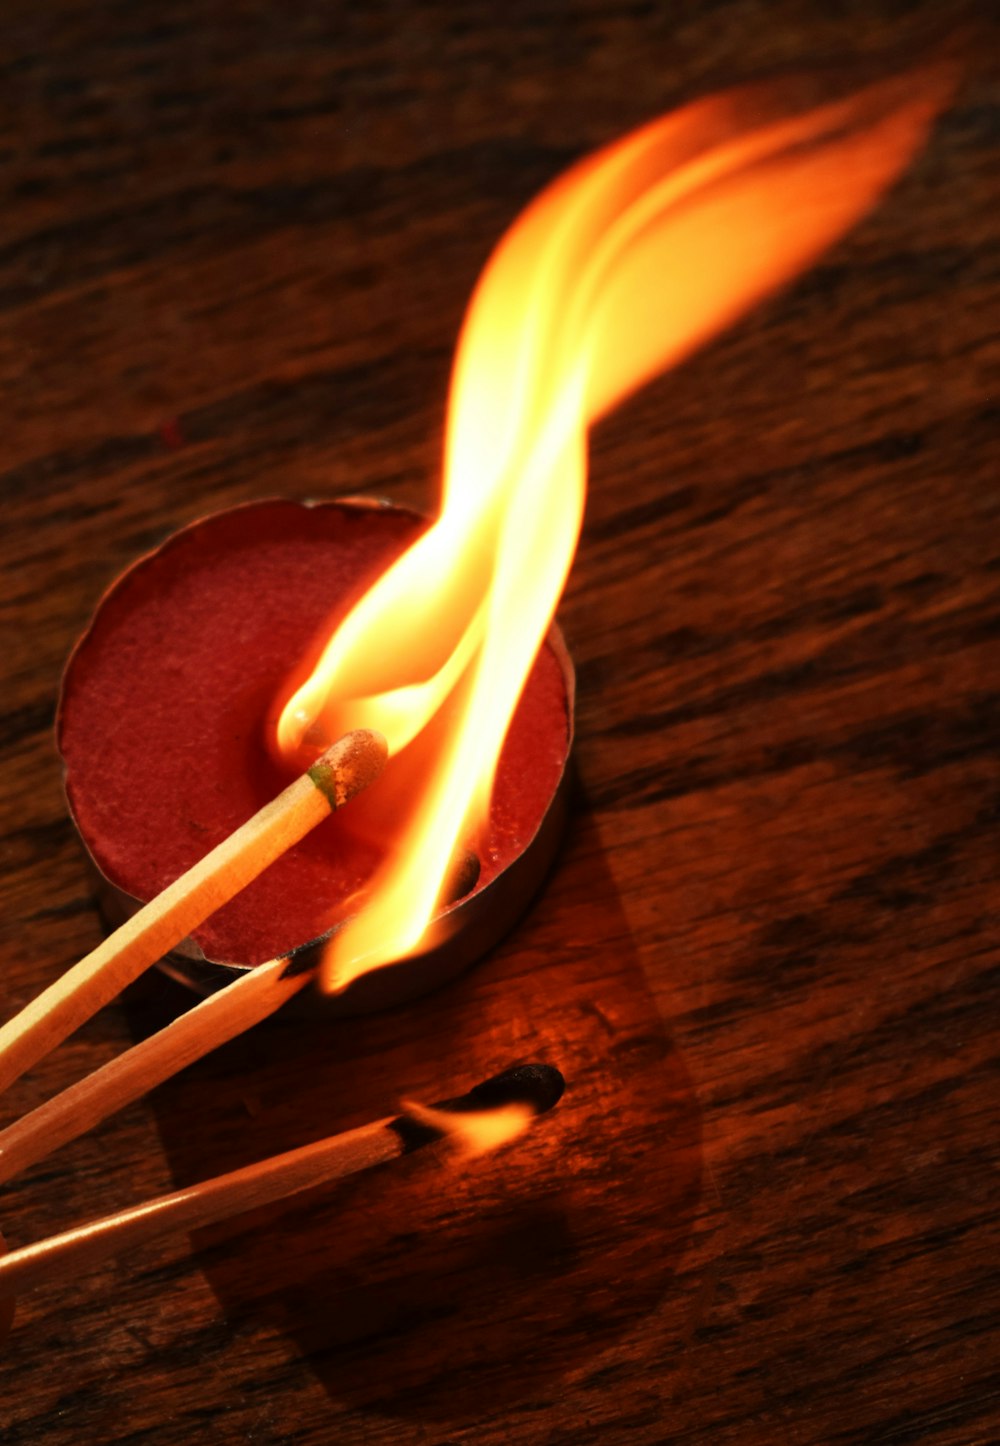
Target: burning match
(490, 1115)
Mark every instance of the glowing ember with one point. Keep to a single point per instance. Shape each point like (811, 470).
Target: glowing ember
(477, 1132)
(617, 271)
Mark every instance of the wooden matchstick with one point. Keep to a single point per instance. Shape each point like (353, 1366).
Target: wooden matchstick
(258, 993)
(537, 1086)
(220, 1017)
(349, 766)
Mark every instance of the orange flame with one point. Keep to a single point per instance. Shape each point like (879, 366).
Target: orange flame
(618, 270)
(476, 1132)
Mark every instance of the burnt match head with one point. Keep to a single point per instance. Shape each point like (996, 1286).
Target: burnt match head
(534, 1088)
(539, 1086)
(305, 958)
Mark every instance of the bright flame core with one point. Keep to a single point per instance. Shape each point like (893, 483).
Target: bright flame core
(617, 271)
(476, 1132)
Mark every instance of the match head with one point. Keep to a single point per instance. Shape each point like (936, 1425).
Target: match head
(539, 1086)
(350, 765)
(524, 1091)
(307, 957)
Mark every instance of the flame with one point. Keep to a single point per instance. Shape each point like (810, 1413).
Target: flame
(477, 1132)
(617, 271)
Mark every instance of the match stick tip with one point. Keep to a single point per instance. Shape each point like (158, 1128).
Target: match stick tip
(350, 765)
(539, 1086)
(535, 1087)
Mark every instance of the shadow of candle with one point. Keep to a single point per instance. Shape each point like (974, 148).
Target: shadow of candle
(437, 1288)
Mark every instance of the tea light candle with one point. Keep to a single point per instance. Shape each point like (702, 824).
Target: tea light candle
(163, 727)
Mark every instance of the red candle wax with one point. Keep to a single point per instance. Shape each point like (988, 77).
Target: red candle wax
(165, 706)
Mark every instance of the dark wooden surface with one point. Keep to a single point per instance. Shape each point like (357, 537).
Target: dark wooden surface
(235, 247)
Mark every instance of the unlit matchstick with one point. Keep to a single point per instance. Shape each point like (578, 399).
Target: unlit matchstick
(533, 1088)
(349, 766)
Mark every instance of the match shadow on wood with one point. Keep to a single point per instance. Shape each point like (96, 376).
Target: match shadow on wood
(441, 1290)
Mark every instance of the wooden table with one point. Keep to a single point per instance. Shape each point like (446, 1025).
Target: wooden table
(235, 252)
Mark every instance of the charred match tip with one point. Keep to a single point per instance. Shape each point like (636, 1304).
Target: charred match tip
(349, 766)
(539, 1086)
(304, 958)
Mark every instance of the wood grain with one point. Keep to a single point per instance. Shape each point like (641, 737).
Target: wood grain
(235, 252)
